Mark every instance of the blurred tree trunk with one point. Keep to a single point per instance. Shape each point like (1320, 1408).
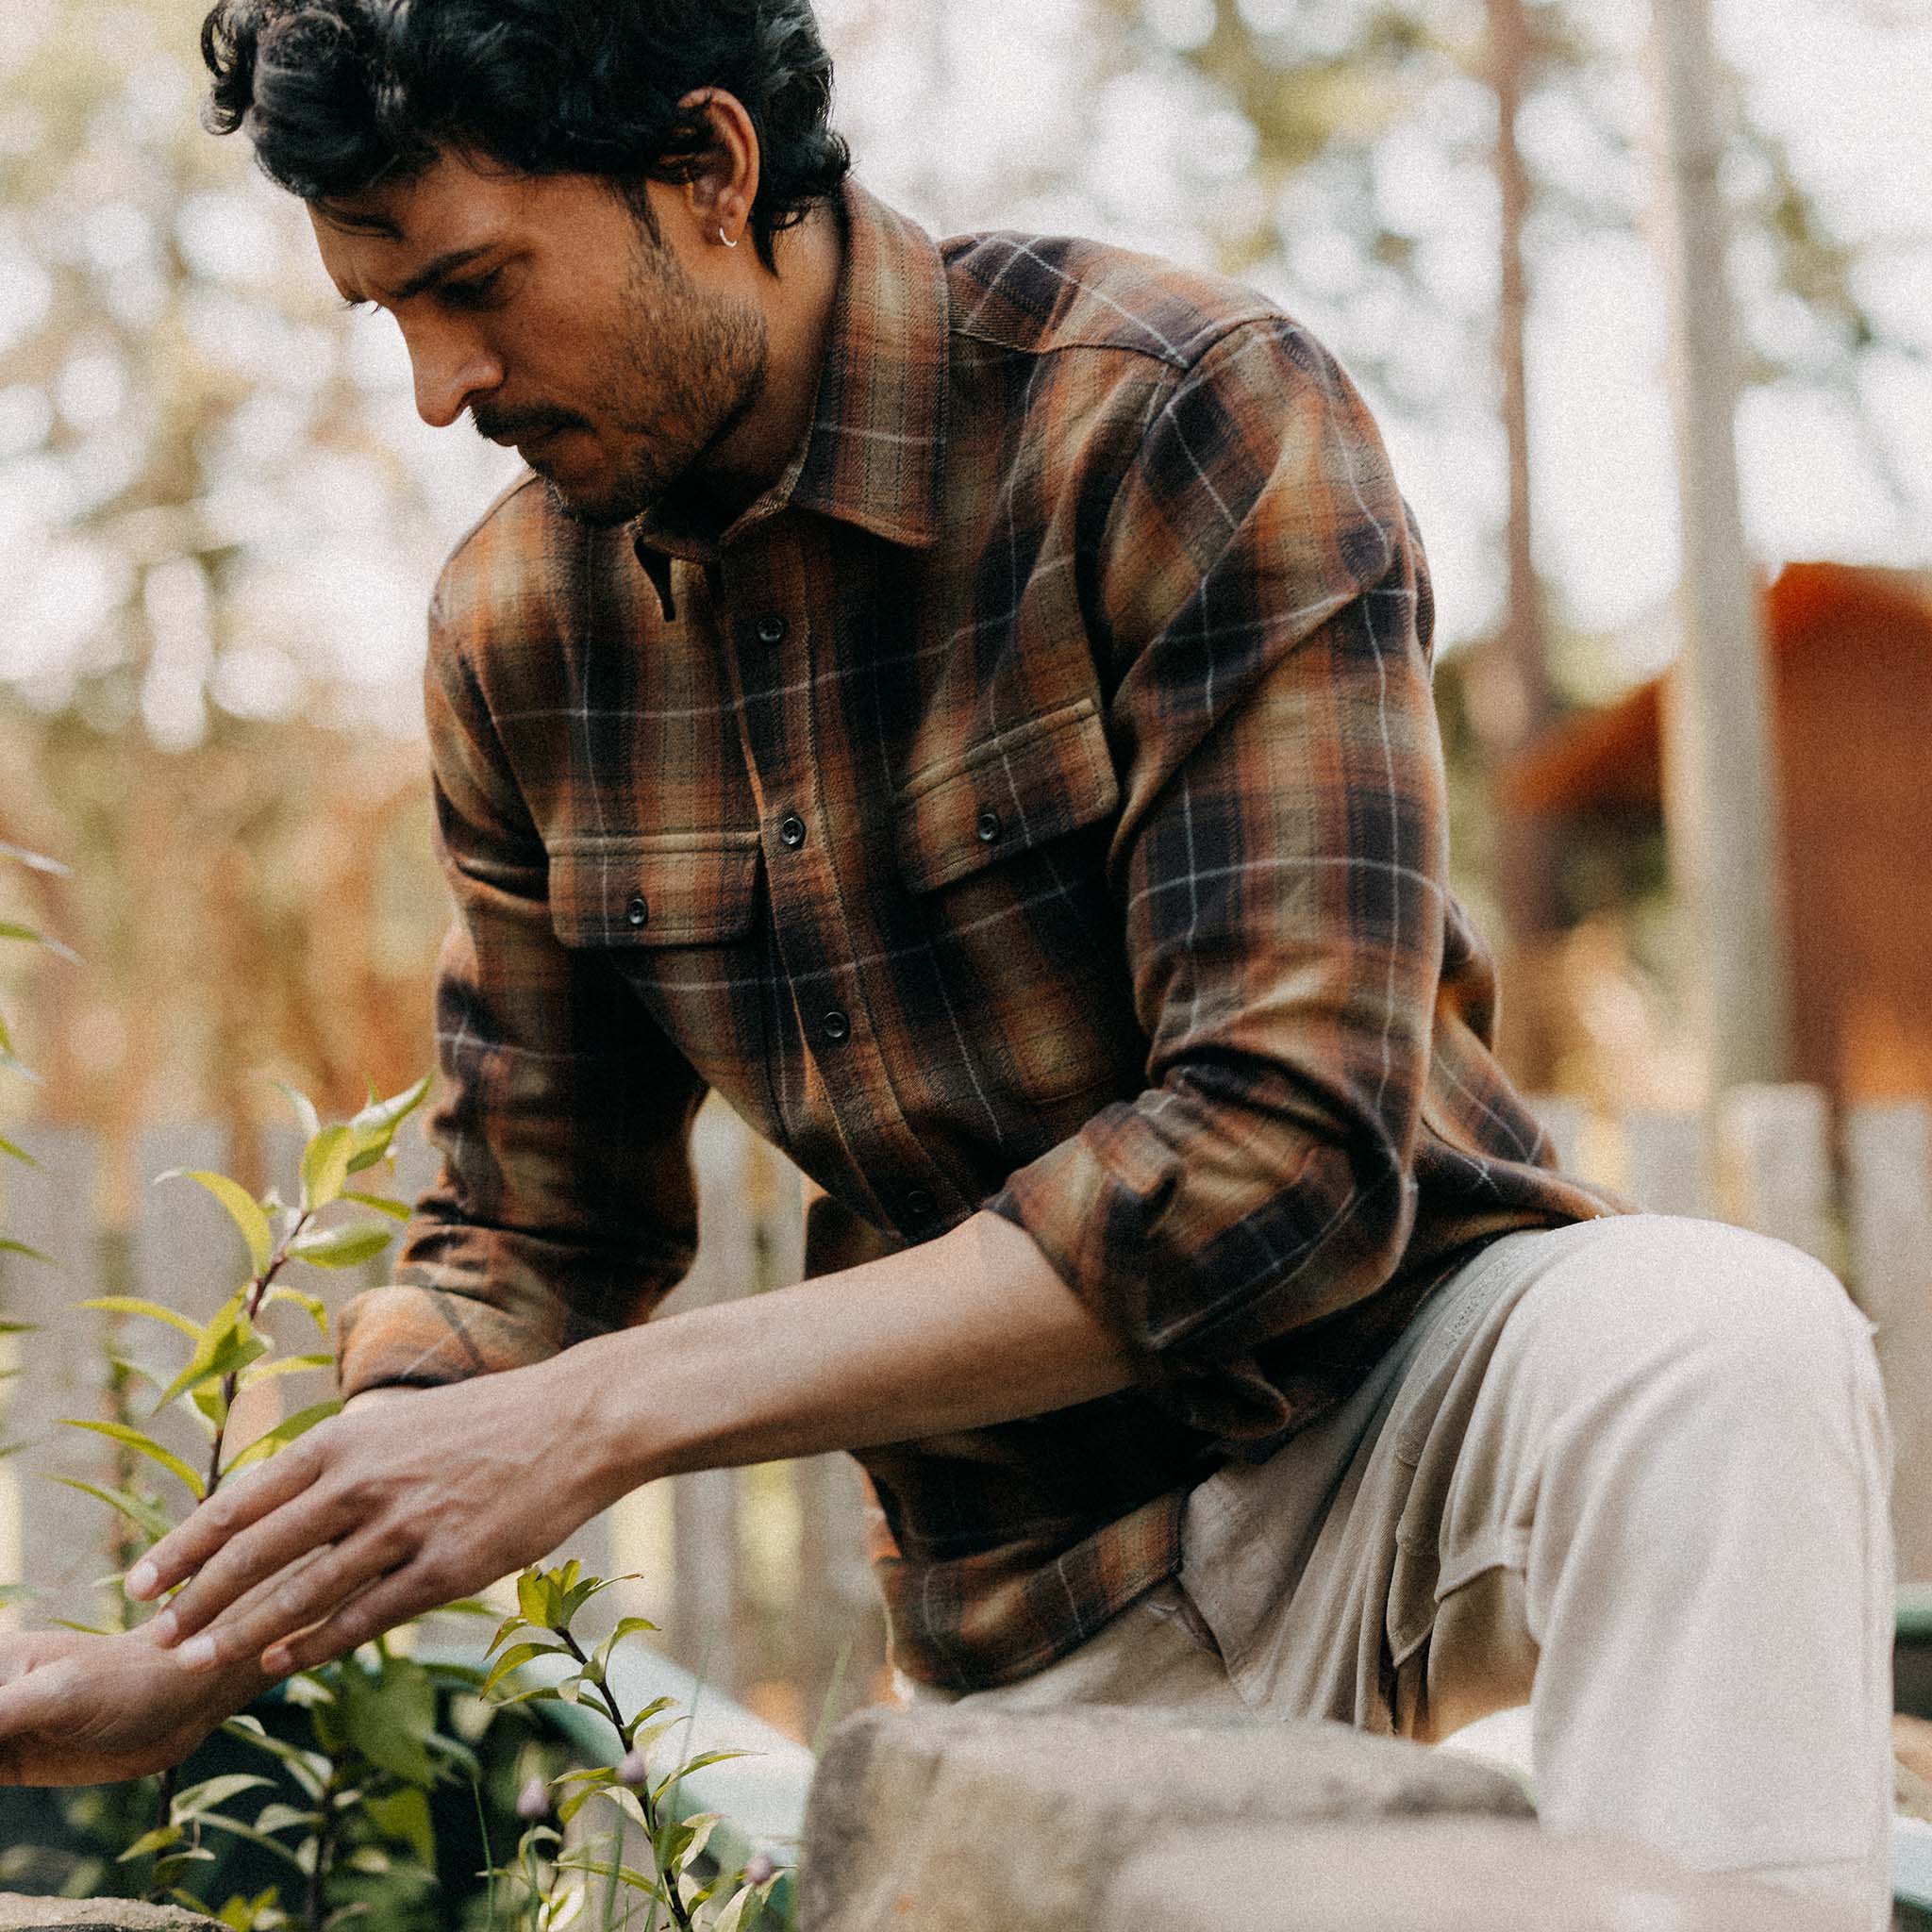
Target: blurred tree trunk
(1722, 816)
(1513, 699)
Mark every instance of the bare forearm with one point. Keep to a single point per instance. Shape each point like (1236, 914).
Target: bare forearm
(968, 1330)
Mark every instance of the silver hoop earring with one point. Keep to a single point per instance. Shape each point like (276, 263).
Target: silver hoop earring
(727, 239)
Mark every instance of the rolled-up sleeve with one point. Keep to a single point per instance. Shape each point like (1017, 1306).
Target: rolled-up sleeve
(565, 1204)
(1263, 616)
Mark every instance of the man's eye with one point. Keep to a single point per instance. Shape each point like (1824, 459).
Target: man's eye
(471, 294)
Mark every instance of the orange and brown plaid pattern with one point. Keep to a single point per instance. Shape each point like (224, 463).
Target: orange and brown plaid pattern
(1034, 801)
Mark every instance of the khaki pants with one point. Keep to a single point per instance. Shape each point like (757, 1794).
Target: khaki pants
(1631, 1473)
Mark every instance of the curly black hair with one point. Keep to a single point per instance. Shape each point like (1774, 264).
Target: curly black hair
(338, 95)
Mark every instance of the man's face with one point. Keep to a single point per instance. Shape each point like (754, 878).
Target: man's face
(542, 305)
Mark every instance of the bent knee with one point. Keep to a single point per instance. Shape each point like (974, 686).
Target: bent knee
(1644, 1296)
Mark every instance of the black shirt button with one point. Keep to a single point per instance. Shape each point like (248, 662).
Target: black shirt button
(638, 913)
(836, 1026)
(770, 630)
(989, 828)
(791, 831)
(920, 1205)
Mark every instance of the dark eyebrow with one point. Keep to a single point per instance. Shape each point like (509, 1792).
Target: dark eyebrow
(431, 273)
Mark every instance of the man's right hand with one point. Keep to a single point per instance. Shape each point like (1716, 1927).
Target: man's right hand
(76, 1709)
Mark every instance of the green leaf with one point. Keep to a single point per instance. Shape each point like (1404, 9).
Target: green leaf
(507, 1628)
(13, 1247)
(325, 1167)
(381, 1204)
(703, 1760)
(157, 1840)
(307, 1768)
(20, 1153)
(213, 1793)
(389, 1716)
(375, 1126)
(286, 1365)
(227, 1347)
(283, 1434)
(627, 1626)
(535, 1596)
(219, 1822)
(686, 1839)
(19, 1328)
(153, 1311)
(732, 1917)
(142, 1446)
(279, 1817)
(515, 1659)
(306, 1115)
(312, 1304)
(601, 1867)
(244, 1211)
(405, 1816)
(542, 1693)
(342, 1247)
(138, 1510)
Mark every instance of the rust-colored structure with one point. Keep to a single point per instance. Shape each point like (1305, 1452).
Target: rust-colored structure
(1852, 708)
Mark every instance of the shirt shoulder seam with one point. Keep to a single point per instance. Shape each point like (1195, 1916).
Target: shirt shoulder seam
(498, 503)
(1199, 347)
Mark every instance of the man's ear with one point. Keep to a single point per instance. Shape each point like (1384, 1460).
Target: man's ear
(722, 185)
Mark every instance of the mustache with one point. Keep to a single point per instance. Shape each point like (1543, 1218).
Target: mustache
(492, 423)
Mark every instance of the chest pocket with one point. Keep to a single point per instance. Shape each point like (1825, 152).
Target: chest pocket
(1015, 909)
(654, 890)
(1004, 796)
(674, 914)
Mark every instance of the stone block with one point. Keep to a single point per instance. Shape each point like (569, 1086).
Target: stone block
(1098, 1819)
(97, 1915)
(927, 1821)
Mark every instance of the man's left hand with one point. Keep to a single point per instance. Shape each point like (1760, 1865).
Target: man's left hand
(80, 1710)
(383, 1512)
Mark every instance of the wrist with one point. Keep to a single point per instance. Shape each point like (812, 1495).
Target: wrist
(602, 1429)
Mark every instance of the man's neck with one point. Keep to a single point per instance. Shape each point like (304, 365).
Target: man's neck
(799, 303)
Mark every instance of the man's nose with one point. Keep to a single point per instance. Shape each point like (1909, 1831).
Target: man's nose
(450, 368)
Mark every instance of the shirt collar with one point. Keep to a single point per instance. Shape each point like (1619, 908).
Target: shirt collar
(874, 454)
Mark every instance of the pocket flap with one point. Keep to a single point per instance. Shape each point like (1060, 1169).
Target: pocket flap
(1007, 794)
(668, 889)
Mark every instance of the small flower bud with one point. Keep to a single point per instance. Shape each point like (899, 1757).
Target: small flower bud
(759, 1869)
(633, 1768)
(533, 1800)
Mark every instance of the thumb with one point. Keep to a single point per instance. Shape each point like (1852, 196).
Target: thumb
(36, 1700)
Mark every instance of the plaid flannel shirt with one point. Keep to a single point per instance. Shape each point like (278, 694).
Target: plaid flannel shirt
(1033, 802)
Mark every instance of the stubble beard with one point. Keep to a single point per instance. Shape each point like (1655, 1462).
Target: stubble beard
(688, 370)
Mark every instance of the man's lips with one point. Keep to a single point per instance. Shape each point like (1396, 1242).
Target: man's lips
(525, 437)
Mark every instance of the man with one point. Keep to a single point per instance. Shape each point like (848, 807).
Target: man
(970, 706)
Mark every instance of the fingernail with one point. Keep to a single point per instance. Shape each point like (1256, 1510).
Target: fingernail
(144, 1579)
(277, 1662)
(198, 1653)
(164, 1629)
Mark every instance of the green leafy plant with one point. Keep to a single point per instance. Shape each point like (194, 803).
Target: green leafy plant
(349, 1808)
(375, 1750)
(548, 1877)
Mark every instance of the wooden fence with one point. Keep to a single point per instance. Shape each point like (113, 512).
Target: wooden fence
(759, 1576)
